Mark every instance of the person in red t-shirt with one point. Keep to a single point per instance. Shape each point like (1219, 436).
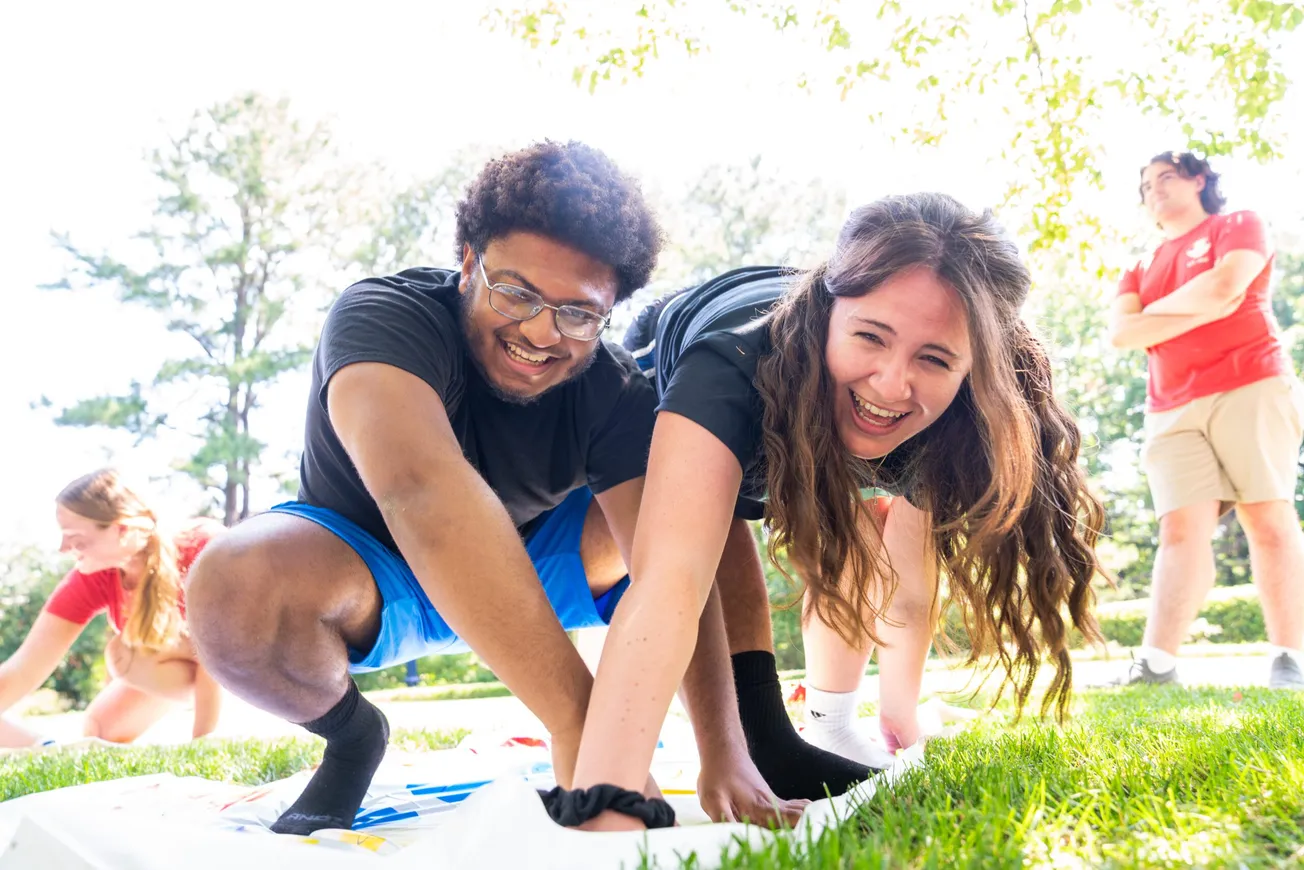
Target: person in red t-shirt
(129, 568)
(1223, 413)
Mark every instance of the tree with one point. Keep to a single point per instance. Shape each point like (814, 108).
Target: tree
(746, 213)
(414, 223)
(250, 204)
(738, 214)
(1029, 82)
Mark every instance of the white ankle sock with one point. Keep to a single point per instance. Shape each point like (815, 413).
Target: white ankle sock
(1160, 661)
(1297, 655)
(831, 726)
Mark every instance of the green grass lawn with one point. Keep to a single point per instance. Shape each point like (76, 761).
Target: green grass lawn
(1138, 778)
(248, 762)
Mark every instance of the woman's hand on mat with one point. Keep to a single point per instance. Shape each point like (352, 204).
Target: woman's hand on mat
(733, 790)
(612, 821)
(900, 733)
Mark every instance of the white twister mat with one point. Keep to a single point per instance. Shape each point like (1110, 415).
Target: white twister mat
(475, 805)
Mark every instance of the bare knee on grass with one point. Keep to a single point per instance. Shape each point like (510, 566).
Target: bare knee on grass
(121, 713)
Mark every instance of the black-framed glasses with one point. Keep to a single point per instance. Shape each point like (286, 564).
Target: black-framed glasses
(521, 304)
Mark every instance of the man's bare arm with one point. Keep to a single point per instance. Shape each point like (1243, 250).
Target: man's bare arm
(1133, 329)
(460, 542)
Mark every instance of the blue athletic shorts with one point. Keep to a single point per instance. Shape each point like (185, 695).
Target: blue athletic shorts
(410, 627)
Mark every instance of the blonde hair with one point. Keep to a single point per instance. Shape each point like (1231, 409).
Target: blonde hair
(103, 498)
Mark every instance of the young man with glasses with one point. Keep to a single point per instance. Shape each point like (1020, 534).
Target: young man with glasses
(471, 478)
(1223, 413)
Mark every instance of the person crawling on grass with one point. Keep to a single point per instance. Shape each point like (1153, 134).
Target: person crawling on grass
(471, 478)
(900, 365)
(133, 568)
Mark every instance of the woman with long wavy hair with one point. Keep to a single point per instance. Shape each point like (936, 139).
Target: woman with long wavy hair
(131, 567)
(900, 366)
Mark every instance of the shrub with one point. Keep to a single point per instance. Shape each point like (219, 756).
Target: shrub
(431, 671)
(26, 580)
(1241, 619)
(1124, 629)
(1229, 615)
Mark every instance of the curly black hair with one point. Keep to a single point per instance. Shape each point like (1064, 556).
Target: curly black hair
(1188, 165)
(572, 193)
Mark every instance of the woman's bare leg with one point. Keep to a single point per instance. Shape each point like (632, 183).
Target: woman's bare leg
(121, 713)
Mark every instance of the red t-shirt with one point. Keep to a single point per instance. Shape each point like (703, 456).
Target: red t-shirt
(79, 597)
(1240, 349)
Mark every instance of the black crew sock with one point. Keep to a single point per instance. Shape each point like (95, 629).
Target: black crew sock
(791, 767)
(356, 733)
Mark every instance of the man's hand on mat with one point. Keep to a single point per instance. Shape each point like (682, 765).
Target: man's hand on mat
(733, 790)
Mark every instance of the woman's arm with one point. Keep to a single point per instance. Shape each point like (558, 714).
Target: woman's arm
(208, 702)
(688, 502)
(40, 653)
(907, 631)
(15, 736)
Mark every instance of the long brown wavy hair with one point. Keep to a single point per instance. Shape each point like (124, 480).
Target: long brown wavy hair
(1014, 525)
(103, 498)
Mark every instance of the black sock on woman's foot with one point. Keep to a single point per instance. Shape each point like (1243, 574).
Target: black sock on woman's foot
(791, 767)
(356, 733)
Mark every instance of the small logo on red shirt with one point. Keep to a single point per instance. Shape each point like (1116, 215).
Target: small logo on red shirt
(1198, 252)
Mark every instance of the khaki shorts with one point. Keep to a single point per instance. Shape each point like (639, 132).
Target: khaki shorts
(1237, 447)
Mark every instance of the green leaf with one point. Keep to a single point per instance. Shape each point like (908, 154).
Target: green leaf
(129, 412)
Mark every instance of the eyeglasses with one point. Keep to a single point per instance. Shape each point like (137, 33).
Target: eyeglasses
(521, 304)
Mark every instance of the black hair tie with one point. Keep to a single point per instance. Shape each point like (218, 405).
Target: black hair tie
(572, 807)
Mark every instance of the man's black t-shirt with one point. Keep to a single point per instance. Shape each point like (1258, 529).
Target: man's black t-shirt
(709, 342)
(592, 430)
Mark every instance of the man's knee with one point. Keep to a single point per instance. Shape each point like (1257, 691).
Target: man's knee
(1269, 525)
(278, 589)
(232, 605)
(1187, 526)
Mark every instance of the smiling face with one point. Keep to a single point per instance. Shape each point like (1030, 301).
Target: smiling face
(1167, 194)
(897, 357)
(95, 547)
(522, 359)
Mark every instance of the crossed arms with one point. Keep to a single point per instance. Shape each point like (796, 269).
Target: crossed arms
(1207, 297)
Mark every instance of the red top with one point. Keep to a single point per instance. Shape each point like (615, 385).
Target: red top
(79, 597)
(1239, 349)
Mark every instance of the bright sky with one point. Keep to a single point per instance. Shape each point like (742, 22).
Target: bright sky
(87, 88)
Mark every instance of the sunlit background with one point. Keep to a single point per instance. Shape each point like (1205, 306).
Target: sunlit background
(410, 89)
